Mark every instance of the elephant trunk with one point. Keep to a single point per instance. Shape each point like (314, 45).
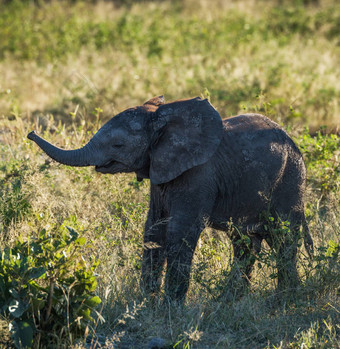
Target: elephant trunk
(85, 156)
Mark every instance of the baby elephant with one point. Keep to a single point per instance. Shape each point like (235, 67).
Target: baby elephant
(202, 171)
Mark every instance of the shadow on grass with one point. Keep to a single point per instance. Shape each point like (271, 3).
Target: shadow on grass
(262, 319)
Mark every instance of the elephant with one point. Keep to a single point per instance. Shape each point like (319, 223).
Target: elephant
(203, 171)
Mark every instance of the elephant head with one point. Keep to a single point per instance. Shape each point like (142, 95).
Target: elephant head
(156, 140)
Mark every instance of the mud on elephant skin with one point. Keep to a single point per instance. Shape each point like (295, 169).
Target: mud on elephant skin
(202, 170)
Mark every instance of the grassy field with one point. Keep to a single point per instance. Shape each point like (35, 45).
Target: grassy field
(67, 67)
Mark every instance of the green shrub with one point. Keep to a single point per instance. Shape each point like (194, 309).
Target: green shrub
(327, 268)
(321, 154)
(47, 289)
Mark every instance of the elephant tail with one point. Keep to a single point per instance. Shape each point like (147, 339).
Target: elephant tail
(308, 242)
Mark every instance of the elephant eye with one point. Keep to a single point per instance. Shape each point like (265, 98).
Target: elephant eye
(118, 145)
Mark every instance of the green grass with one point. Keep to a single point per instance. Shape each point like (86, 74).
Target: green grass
(98, 56)
(67, 68)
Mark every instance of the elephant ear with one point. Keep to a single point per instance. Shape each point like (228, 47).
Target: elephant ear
(187, 134)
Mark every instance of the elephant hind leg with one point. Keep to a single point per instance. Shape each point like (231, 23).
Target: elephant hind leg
(287, 274)
(245, 249)
(308, 241)
(283, 240)
(287, 208)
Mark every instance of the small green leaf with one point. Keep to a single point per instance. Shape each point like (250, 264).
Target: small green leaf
(36, 273)
(35, 248)
(86, 313)
(22, 334)
(333, 249)
(93, 302)
(81, 241)
(246, 239)
(42, 234)
(73, 233)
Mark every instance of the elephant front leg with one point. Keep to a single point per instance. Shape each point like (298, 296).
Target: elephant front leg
(180, 249)
(154, 255)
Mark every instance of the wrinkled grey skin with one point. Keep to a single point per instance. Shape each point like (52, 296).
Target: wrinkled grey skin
(203, 171)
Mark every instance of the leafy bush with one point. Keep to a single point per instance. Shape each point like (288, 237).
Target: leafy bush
(327, 268)
(322, 157)
(47, 288)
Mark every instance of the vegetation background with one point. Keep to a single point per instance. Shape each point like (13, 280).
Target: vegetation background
(66, 67)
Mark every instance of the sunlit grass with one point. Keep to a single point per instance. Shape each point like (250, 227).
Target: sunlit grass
(289, 55)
